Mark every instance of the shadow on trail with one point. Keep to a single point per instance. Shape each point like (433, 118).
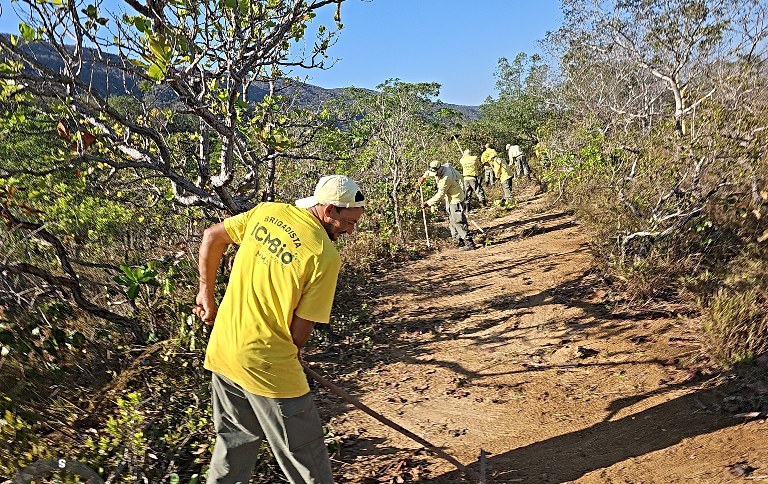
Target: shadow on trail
(400, 331)
(502, 227)
(441, 307)
(569, 456)
(506, 308)
(531, 232)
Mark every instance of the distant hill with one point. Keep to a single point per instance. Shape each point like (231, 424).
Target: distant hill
(111, 80)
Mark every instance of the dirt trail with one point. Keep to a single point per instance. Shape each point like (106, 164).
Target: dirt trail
(511, 349)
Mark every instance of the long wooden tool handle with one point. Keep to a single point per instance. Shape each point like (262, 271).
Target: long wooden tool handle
(349, 398)
(477, 226)
(424, 216)
(457, 144)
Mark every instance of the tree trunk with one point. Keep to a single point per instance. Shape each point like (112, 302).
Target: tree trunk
(269, 191)
(396, 204)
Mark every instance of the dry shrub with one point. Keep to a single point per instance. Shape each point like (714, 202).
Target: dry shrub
(736, 325)
(735, 319)
(364, 249)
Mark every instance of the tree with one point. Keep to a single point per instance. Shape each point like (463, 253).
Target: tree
(402, 120)
(206, 56)
(523, 102)
(209, 122)
(643, 81)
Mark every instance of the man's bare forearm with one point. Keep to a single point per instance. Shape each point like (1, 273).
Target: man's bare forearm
(212, 248)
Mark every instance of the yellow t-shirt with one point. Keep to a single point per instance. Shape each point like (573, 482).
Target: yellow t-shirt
(470, 165)
(502, 169)
(286, 265)
(488, 155)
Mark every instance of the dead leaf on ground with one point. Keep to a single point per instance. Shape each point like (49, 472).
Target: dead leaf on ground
(750, 415)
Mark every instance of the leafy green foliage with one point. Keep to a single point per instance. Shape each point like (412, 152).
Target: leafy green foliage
(522, 105)
(133, 279)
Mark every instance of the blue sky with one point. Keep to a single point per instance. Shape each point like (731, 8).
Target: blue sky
(456, 43)
(453, 42)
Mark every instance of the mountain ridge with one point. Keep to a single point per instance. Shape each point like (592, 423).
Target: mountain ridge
(112, 81)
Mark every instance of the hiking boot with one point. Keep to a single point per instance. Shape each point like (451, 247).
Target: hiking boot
(469, 245)
(459, 243)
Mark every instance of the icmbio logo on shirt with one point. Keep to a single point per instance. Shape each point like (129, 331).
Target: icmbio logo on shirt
(274, 244)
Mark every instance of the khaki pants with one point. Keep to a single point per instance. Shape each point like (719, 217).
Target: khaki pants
(291, 426)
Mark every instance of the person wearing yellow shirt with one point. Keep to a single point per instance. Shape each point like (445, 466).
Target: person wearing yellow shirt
(503, 172)
(488, 154)
(486, 159)
(450, 189)
(472, 168)
(282, 283)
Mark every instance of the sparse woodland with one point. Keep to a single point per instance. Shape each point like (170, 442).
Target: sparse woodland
(648, 119)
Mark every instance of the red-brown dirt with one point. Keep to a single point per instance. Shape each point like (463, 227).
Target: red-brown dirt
(513, 349)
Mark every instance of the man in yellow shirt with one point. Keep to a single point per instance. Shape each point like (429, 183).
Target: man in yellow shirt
(471, 169)
(488, 154)
(503, 172)
(450, 189)
(282, 283)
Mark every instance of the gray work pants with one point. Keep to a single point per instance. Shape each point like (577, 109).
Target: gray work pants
(521, 166)
(457, 221)
(454, 235)
(291, 426)
(507, 186)
(473, 186)
(490, 176)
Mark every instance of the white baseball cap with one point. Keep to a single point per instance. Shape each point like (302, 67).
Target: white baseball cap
(337, 190)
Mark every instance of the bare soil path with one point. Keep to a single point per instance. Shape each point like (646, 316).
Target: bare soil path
(513, 349)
